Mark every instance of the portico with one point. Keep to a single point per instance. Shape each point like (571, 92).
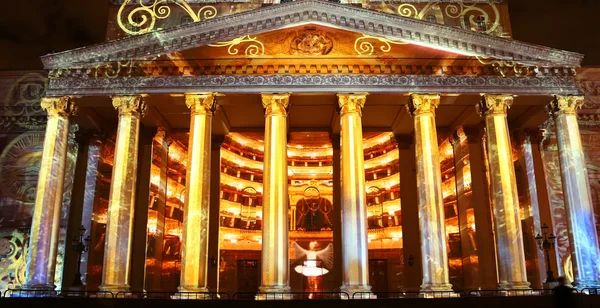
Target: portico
(344, 71)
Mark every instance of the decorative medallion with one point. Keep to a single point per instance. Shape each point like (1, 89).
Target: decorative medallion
(19, 165)
(311, 43)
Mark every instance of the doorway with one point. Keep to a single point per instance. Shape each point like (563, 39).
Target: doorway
(247, 278)
(378, 276)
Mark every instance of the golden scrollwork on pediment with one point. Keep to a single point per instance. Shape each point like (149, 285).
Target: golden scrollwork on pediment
(364, 45)
(142, 19)
(505, 66)
(470, 15)
(254, 47)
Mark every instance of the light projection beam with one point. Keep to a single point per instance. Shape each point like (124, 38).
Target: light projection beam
(512, 273)
(354, 210)
(43, 247)
(121, 207)
(194, 258)
(578, 204)
(429, 184)
(275, 250)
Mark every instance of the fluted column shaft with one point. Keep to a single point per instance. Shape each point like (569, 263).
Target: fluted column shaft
(194, 258)
(121, 204)
(275, 256)
(45, 225)
(432, 226)
(512, 273)
(354, 211)
(578, 204)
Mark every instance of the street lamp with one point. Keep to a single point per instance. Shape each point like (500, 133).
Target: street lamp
(546, 243)
(80, 245)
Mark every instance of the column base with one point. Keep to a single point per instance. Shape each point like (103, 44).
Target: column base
(33, 290)
(192, 293)
(582, 284)
(516, 288)
(38, 286)
(357, 292)
(514, 285)
(186, 289)
(273, 293)
(430, 290)
(114, 288)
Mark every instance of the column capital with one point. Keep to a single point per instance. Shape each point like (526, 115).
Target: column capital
(129, 105)
(422, 104)
(351, 102)
(564, 105)
(275, 103)
(201, 103)
(494, 104)
(58, 106)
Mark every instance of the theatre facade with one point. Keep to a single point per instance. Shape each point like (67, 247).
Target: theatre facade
(307, 146)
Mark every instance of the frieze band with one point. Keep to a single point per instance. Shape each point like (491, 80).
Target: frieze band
(312, 83)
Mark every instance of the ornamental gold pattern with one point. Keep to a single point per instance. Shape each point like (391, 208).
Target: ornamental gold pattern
(254, 46)
(503, 66)
(142, 19)
(455, 10)
(129, 105)
(423, 103)
(353, 102)
(364, 45)
(494, 104)
(116, 69)
(58, 106)
(201, 103)
(566, 105)
(275, 103)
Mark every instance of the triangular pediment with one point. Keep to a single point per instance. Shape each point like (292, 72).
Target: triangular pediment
(436, 39)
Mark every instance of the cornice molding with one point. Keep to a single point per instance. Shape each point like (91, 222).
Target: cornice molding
(342, 83)
(352, 18)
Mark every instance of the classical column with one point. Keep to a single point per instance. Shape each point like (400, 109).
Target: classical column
(578, 204)
(121, 204)
(194, 258)
(432, 228)
(275, 256)
(45, 225)
(512, 273)
(355, 248)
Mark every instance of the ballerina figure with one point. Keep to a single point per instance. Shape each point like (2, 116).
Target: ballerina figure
(311, 267)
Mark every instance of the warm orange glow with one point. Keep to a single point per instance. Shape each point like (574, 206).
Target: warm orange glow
(152, 222)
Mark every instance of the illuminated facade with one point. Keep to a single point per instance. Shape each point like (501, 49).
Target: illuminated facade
(303, 146)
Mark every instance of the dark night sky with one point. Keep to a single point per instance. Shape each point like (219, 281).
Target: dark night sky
(31, 28)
